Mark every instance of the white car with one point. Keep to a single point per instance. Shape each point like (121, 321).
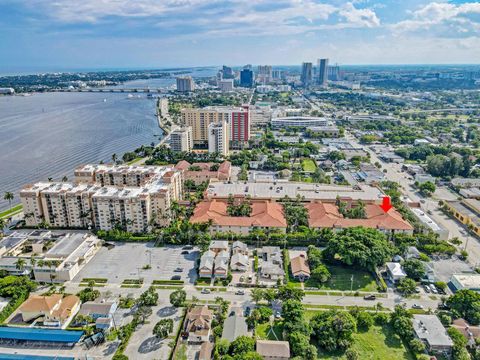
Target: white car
(206, 291)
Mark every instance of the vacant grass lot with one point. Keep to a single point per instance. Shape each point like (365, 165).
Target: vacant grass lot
(265, 331)
(378, 343)
(308, 165)
(342, 279)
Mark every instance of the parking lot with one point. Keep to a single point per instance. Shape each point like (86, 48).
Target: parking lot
(132, 261)
(445, 268)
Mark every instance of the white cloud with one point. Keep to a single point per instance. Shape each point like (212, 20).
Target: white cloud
(442, 19)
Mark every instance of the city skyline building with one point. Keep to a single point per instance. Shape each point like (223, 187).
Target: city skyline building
(246, 77)
(322, 69)
(181, 140)
(306, 76)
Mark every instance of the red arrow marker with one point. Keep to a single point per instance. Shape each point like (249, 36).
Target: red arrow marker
(386, 204)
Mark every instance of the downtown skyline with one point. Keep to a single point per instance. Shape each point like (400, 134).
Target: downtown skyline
(152, 34)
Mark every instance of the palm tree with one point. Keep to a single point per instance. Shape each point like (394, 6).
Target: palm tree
(20, 264)
(64, 179)
(114, 158)
(9, 197)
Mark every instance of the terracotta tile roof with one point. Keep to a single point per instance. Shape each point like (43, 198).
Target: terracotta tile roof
(299, 265)
(223, 172)
(66, 306)
(324, 215)
(264, 213)
(41, 303)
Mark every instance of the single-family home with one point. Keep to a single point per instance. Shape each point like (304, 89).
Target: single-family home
(430, 330)
(300, 268)
(96, 309)
(239, 247)
(218, 246)
(273, 350)
(205, 269)
(220, 267)
(55, 309)
(234, 326)
(395, 271)
(271, 271)
(239, 262)
(198, 324)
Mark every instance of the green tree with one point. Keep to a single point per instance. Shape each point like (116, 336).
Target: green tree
(427, 188)
(88, 294)
(352, 354)
(367, 248)
(8, 196)
(289, 292)
(241, 345)
(406, 286)
(257, 295)
(314, 255)
(417, 346)
(414, 268)
(333, 329)
(459, 344)
(467, 304)
(149, 297)
(20, 264)
(143, 312)
(320, 274)
(300, 346)
(178, 297)
(163, 328)
(364, 320)
(401, 321)
(222, 346)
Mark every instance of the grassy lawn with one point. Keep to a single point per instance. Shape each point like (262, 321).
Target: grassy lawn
(342, 279)
(308, 165)
(378, 343)
(263, 331)
(12, 211)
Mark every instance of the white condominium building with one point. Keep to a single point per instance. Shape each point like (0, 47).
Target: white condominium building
(181, 140)
(185, 84)
(105, 196)
(218, 139)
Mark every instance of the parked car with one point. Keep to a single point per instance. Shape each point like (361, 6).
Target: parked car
(433, 289)
(417, 290)
(179, 269)
(369, 297)
(417, 306)
(185, 252)
(187, 247)
(176, 277)
(247, 311)
(277, 315)
(426, 288)
(240, 292)
(206, 291)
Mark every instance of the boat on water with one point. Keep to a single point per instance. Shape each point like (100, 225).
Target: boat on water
(104, 100)
(133, 97)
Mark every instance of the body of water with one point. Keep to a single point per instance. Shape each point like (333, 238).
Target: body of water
(48, 135)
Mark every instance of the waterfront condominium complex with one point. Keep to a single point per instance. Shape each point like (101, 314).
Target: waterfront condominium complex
(237, 119)
(218, 139)
(181, 140)
(185, 84)
(322, 75)
(307, 74)
(105, 196)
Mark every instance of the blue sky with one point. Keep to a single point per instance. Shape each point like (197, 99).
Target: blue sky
(36, 34)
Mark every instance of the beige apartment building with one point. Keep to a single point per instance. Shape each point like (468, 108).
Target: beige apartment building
(105, 196)
(200, 119)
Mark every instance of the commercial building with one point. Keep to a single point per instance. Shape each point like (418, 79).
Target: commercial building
(218, 138)
(240, 128)
(46, 338)
(430, 330)
(334, 73)
(322, 75)
(325, 131)
(264, 215)
(227, 72)
(105, 196)
(299, 121)
(185, 84)
(57, 257)
(467, 211)
(427, 221)
(246, 78)
(306, 76)
(204, 172)
(181, 140)
(465, 281)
